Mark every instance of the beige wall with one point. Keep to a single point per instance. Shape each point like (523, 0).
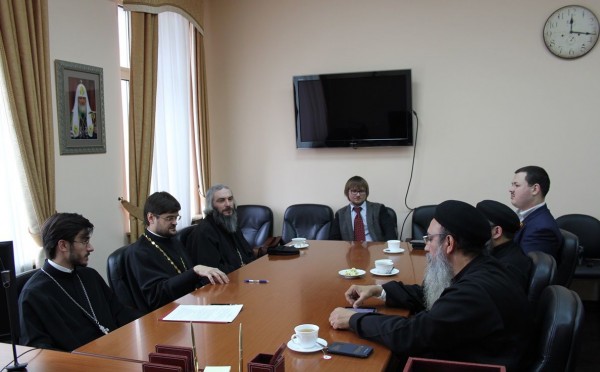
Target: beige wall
(489, 96)
(86, 32)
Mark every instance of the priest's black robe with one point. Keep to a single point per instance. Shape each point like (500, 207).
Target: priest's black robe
(154, 279)
(211, 245)
(483, 317)
(50, 320)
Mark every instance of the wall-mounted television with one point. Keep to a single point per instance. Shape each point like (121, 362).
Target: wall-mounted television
(360, 109)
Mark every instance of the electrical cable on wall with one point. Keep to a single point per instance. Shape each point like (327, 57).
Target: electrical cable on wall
(412, 168)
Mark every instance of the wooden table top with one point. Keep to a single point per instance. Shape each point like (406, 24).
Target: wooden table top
(40, 360)
(301, 289)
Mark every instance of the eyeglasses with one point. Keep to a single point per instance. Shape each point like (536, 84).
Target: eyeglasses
(85, 243)
(170, 218)
(429, 238)
(358, 192)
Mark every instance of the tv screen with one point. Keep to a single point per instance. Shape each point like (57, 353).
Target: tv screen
(361, 109)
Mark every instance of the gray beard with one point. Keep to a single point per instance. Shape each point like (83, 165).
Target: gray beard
(438, 276)
(229, 223)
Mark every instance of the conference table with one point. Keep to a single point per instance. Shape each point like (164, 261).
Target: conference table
(40, 360)
(301, 289)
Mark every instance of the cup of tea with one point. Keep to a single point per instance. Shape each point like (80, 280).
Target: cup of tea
(306, 335)
(384, 266)
(299, 242)
(393, 245)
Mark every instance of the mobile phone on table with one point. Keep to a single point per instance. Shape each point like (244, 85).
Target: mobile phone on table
(362, 309)
(348, 349)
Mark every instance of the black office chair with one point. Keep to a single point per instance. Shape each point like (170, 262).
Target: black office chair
(256, 223)
(567, 259)
(182, 234)
(394, 217)
(310, 221)
(22, 278)
(421, 219)
(557, 330)
(117, 278)
(587, 229)
(542, 275)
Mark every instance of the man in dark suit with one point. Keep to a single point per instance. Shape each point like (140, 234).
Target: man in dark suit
(539, 231)
(362, 220)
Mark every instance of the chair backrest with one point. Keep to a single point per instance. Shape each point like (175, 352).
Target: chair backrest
(394, 217)
(117, 278)
(587, 229)
(22, 279)
(310, 221)
(182, 234)
(421, 219)
(567, 259)
(256, 223)
(542, 274)
(557, 330)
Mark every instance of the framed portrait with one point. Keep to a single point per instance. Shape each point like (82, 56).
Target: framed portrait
(80, 107)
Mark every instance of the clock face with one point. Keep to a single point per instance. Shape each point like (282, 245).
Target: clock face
(571, 32)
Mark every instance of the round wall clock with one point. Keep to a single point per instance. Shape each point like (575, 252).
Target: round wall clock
(571, 32)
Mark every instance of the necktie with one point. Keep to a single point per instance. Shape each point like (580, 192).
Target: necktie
(359, 227)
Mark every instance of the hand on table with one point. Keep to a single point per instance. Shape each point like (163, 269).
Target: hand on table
(340, 318)
(212, 273)
(357, 294)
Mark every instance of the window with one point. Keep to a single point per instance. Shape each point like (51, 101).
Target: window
(13, 219)
(172, 168)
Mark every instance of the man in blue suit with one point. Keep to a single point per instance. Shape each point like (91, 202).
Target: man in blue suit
(539, 231)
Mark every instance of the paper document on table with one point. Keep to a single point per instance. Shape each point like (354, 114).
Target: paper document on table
(204, 313)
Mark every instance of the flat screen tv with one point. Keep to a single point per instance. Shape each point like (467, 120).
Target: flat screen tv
(360, 109)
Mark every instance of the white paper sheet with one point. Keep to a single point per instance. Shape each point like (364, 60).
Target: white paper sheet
(204, 313)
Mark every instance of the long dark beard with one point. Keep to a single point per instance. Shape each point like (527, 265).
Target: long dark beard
(438, 276)
(229, 223)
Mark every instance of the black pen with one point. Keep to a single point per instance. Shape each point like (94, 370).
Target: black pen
(262, 281)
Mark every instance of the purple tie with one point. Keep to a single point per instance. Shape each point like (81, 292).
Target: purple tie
(359, 227)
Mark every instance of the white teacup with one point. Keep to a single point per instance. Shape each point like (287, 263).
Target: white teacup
(299, 242)
(306, 335)
(384, 266)
(393, 245)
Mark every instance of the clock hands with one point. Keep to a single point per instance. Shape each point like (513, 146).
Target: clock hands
(571, 24)
(582, 33)
(577, 32)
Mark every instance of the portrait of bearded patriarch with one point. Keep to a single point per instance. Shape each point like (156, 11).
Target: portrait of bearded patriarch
(83, 118)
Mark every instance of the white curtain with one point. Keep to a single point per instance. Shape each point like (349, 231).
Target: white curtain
(14, 218)
(171, 166)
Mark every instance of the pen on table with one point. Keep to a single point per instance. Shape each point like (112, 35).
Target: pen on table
(240, 351)
(195, 356)
(256, 281)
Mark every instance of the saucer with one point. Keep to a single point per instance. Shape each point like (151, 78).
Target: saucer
(358, 274)
(300, 246)
(375, 272)
(387, 250)
(294, 346)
